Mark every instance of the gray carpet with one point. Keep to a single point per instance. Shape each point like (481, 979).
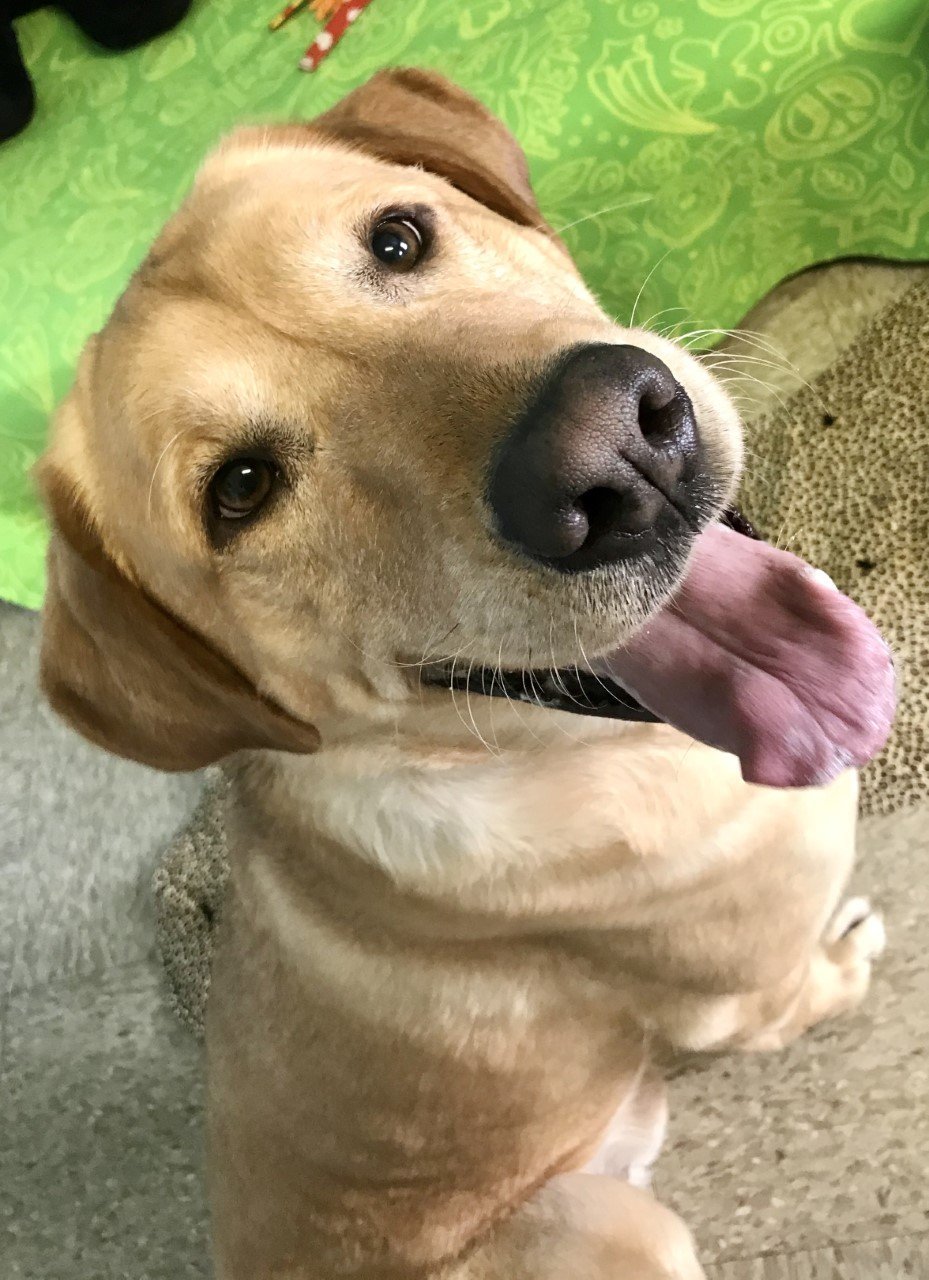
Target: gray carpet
(99, 1087)
(80, 833)
(100, 1154)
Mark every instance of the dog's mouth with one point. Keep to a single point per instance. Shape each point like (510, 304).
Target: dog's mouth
(566, 689)
(755, 653)
(582, 692)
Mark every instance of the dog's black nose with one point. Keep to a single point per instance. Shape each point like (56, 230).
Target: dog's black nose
(599, 464)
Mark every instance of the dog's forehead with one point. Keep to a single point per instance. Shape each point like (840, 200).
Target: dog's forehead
(274, 229)
(277, 229)
(280, 193)
(316, 180)
(255, 209)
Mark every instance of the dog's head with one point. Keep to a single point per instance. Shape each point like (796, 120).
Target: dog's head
(357, 419)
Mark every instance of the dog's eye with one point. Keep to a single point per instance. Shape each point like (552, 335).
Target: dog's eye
(241, 486)
(398, 243)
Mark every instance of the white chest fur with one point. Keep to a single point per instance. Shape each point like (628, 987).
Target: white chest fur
(462, 818)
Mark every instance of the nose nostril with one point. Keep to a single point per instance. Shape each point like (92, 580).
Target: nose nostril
(604, 510)
(661, 420)
(610, 512)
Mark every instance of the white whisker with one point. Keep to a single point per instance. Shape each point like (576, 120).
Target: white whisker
(477, 733)
(638, 296)
(161, 457)
(600, 213)
(587, 664)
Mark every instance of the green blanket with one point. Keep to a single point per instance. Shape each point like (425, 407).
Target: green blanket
(696, 151)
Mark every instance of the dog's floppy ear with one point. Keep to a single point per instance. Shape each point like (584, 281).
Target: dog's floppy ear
(415, 117)
(127, 674)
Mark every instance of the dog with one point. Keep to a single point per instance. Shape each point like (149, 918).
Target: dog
(539, 770)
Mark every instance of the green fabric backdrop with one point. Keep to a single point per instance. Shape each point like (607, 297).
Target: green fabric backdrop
(743, 140)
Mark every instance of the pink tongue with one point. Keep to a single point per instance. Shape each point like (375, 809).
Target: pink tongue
(760, 656)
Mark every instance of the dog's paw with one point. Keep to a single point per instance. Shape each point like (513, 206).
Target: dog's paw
(853, 942)
(838, 978)
(856, 935)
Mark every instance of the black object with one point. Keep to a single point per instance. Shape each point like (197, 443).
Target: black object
(734, 518)
(17, 96)
(569, 689)
(124, 24)
(117, 25)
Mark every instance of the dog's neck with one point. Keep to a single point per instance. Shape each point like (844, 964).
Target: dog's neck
(478, 829)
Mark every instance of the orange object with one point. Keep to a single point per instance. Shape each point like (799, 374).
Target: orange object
(322, 10)
(286, 14)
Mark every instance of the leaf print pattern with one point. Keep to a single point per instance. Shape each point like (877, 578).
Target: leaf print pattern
(626, 82)
(695, 151)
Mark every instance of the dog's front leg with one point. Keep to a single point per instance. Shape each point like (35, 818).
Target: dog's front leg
(833, 980)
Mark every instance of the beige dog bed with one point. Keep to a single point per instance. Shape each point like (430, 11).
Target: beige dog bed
(840, 474)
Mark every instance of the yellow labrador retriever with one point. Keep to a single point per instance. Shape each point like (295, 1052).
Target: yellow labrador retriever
(538, 765)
